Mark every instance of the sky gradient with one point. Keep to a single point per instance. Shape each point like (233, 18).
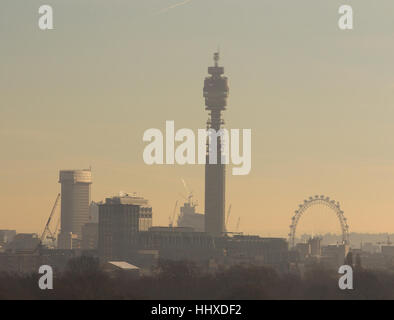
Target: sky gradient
(319, 102)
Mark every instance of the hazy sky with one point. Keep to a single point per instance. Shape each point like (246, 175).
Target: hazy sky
(319, 101)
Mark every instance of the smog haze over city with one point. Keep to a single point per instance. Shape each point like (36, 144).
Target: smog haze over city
(318, 101)
(304, 91)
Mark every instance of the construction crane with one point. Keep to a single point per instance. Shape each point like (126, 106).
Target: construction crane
(172, 219)
(47, 233)
(53, 234)
(228, 216)
(235, 232)
(238, 222)
(189, 194)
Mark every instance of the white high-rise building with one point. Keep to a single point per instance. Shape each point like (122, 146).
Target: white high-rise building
(75, 195)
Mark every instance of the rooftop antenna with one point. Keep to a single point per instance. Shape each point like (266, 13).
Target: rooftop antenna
(216, 57)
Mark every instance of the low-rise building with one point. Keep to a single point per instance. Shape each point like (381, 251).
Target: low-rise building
(89, 236)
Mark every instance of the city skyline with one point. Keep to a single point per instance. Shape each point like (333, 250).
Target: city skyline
(320, 126)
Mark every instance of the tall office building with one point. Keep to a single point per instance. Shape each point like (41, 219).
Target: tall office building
(215, 93)
(75, 195)
(120, 219)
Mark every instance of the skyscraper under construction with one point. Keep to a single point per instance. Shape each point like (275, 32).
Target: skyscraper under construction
(215, 94)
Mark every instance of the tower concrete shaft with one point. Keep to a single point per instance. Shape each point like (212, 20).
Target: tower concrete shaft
(215, 93)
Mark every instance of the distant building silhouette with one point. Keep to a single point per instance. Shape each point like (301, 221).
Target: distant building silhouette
(190, 218)
(94, 211)
(6, 236)
(23, 242)
(89, 236)
(120, 219)
(334, 255)
(315, 244)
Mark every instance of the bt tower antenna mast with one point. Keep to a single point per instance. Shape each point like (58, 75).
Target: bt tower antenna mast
(215, 93)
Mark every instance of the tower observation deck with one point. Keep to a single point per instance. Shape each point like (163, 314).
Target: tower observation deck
(215, 93)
